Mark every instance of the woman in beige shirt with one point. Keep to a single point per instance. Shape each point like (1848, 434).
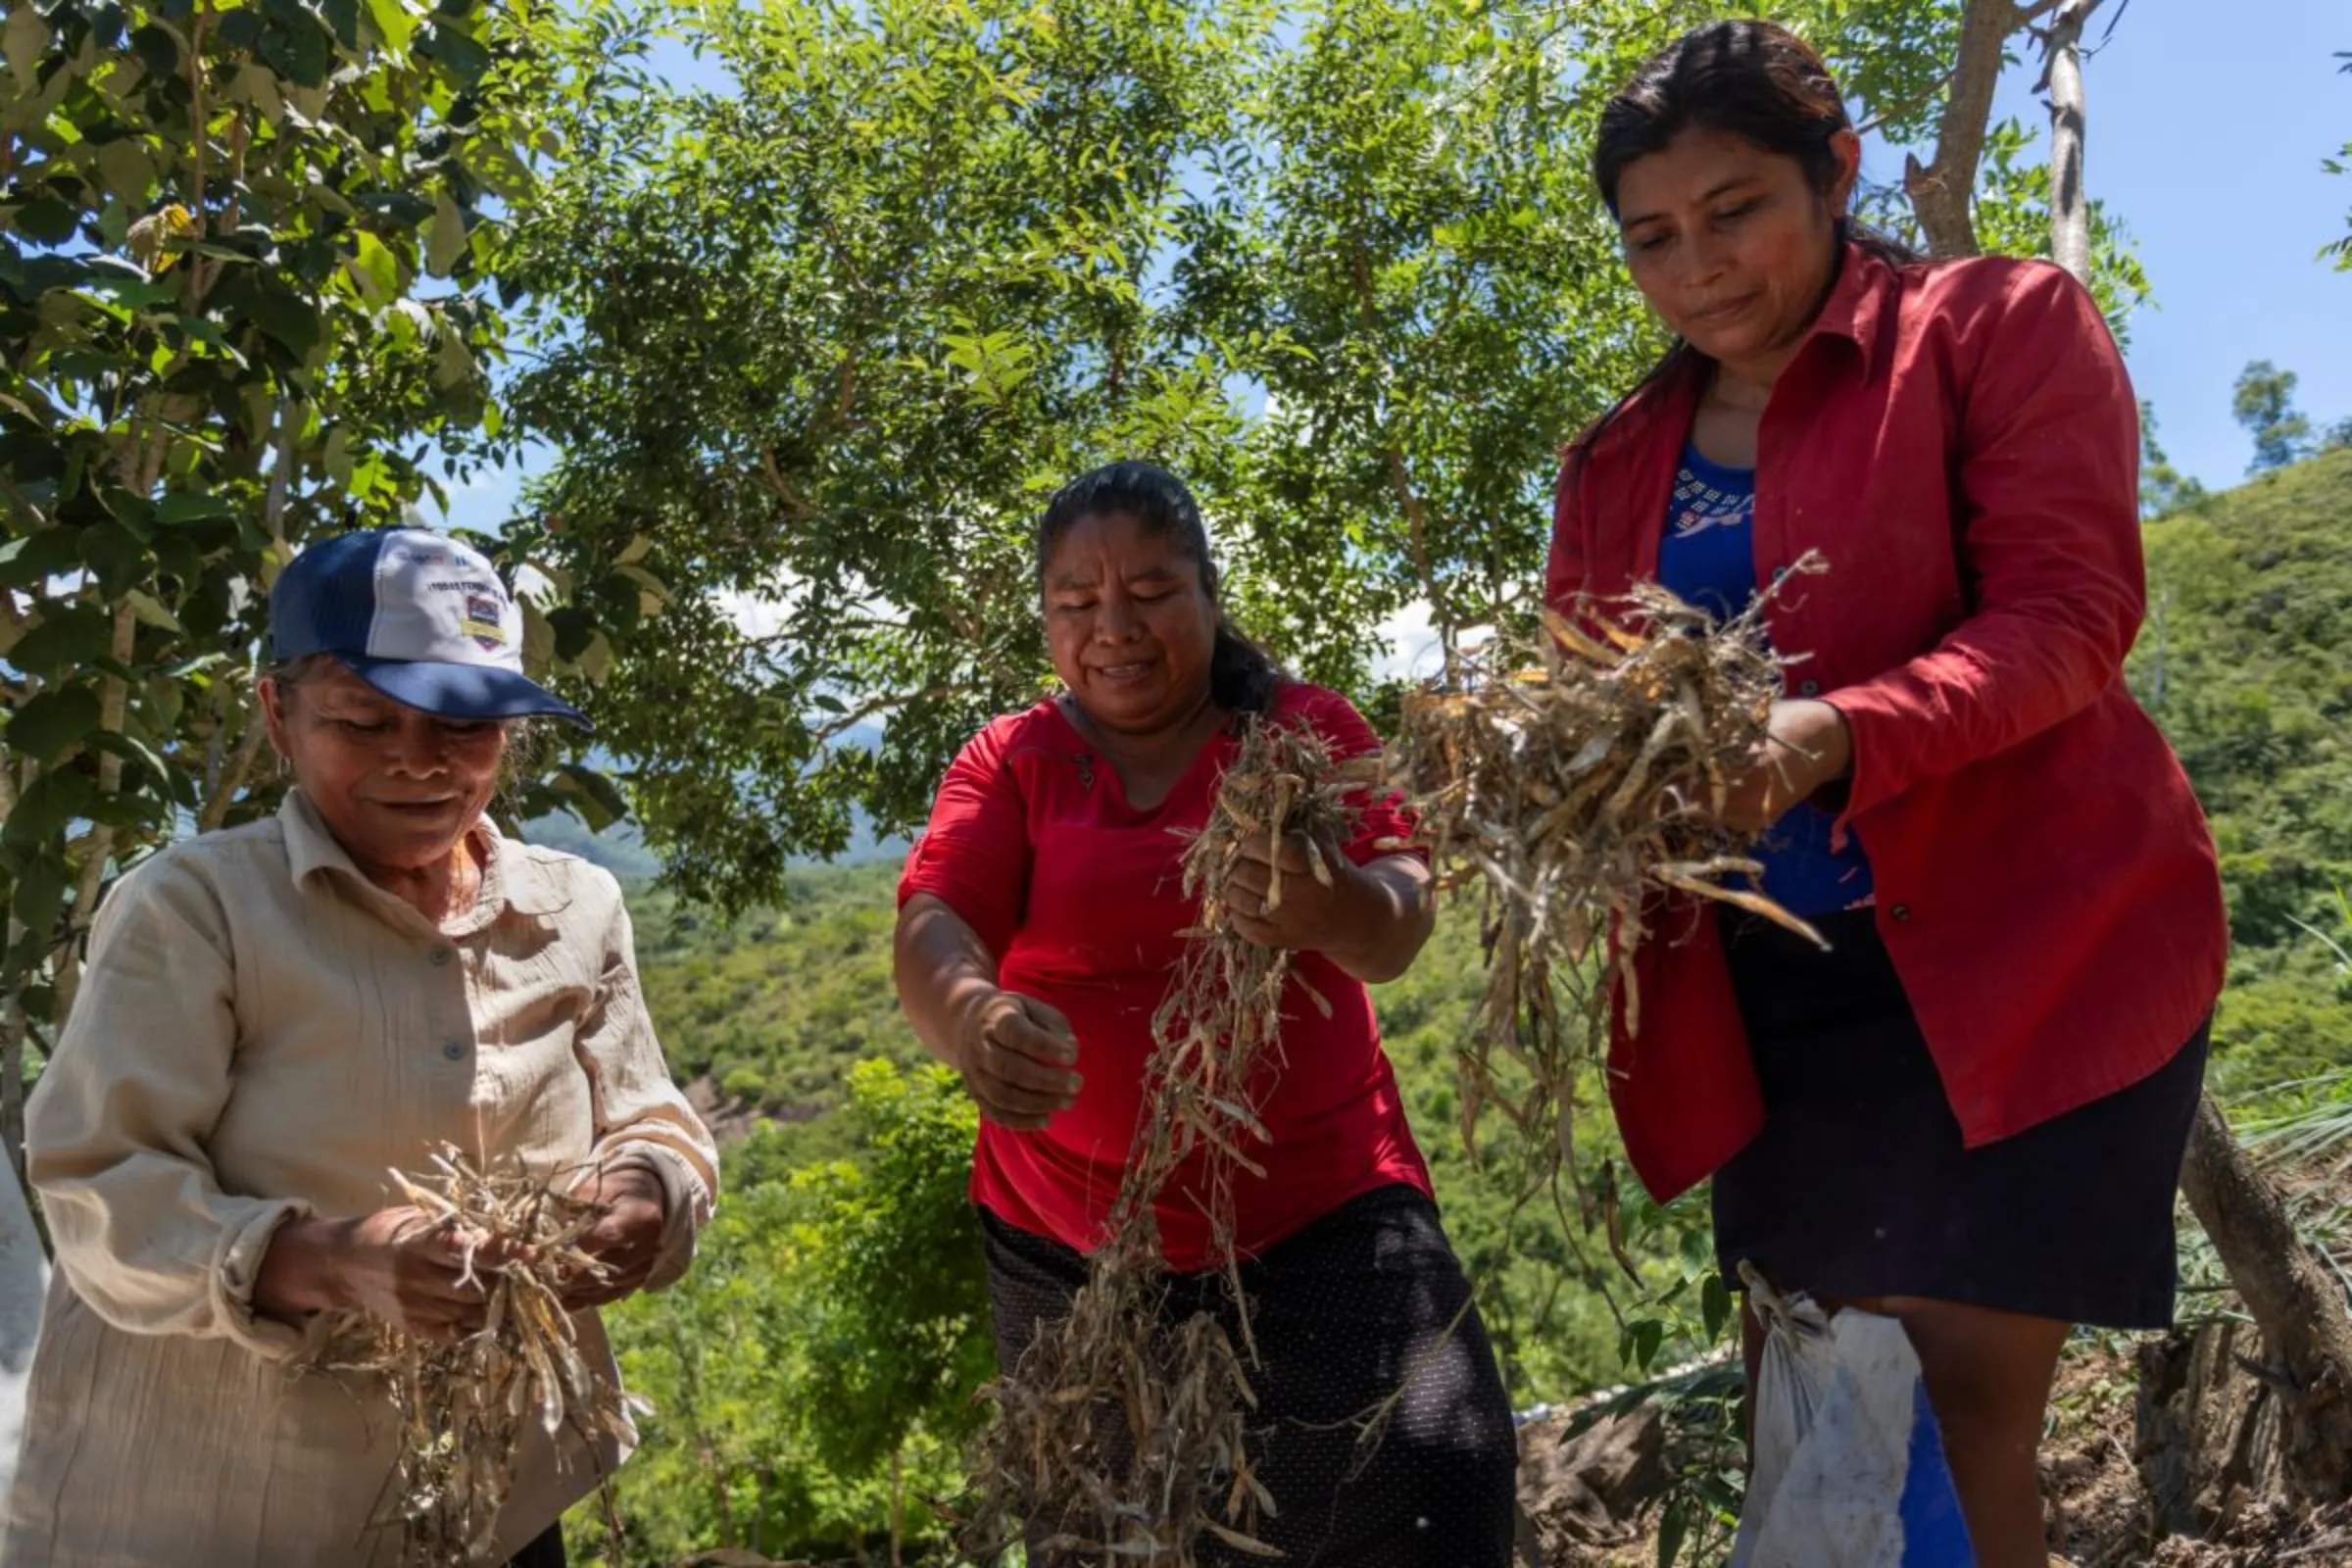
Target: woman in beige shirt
(274, 1019)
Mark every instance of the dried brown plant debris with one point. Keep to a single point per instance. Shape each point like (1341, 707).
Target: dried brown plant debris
(1573, 780)
(1122, 1436)
(464, 1406)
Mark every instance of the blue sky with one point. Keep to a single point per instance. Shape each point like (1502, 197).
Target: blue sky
(2207, 128)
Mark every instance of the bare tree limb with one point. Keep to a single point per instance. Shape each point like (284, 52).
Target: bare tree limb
(240, 767)
(114, 701)
(2299, 1306)
(1941, 191)
(1400, 479)
(2070, 208)
(890, 704)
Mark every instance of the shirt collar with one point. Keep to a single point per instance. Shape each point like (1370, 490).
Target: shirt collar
(513, 878)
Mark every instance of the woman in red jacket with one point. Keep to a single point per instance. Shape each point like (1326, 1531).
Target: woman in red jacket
(1040, 922)
(1971, 1110)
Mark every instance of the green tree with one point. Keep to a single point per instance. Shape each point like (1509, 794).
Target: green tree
(240, 303)
(2265, 404)
(2163, 488)
(825, 341)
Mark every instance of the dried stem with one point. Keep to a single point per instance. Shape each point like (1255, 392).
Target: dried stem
(1578, 784)
(465, 1406)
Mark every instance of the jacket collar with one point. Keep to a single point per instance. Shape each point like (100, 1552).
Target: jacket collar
(1658, 416)
(1857, 300)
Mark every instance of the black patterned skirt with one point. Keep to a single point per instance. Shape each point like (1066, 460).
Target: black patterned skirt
(1365, 1309)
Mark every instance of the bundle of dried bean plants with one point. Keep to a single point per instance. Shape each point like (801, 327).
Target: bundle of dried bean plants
(1122, 1435)
(1571, 782)
(464, 1406)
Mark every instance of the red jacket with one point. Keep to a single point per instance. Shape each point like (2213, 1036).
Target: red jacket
(1961, 444)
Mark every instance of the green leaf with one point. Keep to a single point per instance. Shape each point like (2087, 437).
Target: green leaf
(453, 365)
(67, 638)
(56, 798)
(116, 556)
(149, 611)
(373, 268)
(446, 246)
(191, 506)
(126, 170)
(1673, 1529)
(266, 300)
(594, 797)
(31, 559)
(1715, 1306)
(134, 750)
(40, 892)
(23, 40)
(448, 45)
(395, 22)
(51, 723)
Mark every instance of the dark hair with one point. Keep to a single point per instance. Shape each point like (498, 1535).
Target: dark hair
(1755, 80)
(1241, 676)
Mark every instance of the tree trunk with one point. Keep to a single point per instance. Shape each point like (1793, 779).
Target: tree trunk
(1943, 192)
(898, 1507)
(2070, 208)
(2299, 1307)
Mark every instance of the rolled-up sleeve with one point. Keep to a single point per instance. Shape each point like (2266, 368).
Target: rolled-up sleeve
(116, 1132)
(641, 1115)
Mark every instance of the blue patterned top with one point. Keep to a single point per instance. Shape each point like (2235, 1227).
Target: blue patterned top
(1707, 558)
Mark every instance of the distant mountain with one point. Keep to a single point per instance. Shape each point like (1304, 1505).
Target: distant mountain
(622, 850)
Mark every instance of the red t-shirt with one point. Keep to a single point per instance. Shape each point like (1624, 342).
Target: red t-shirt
(1080, 895)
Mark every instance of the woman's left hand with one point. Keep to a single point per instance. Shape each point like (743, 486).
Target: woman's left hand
(626, 1236)
(1310, 916)
(1807, 748)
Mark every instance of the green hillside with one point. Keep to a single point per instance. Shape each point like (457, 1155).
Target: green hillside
(2247, 663)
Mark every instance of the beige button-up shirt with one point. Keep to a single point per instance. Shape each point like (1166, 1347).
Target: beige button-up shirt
(262, 1032)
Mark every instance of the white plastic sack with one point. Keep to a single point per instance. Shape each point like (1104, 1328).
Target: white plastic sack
(1850, 1468)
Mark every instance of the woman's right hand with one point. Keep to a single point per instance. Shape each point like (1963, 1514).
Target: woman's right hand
(396, 1265)
(1019, 1058)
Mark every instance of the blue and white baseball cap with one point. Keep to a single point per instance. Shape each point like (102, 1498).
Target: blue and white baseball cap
(420, 616)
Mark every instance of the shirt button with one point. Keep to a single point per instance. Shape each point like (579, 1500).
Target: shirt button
(440, 957)
(454, 1051)
(1810, 688)
(1901, 913)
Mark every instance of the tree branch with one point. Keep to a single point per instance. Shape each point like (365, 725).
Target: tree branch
(782, 488)
(114, 701)
(889, 705)
(240, 766)
(1400, 479)
(1942, 191)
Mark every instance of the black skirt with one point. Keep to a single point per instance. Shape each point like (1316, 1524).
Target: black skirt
(1364, 1301)
(1859, 1184)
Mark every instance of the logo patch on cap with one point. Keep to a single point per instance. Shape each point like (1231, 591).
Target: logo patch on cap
(483, 623)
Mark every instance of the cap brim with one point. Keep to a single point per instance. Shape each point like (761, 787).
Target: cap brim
(461, 690)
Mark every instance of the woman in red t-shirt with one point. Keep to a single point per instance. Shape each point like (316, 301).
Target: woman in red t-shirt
(1041, 920)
